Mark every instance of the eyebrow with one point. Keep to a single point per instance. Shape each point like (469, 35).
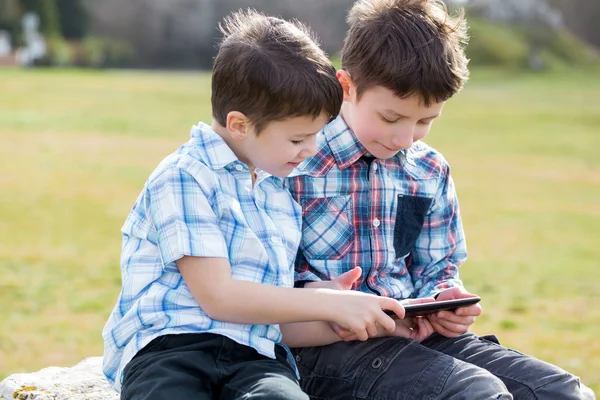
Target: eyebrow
(305, 135)
(404, 116)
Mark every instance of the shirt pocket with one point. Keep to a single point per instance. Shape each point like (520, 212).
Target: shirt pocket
(327, 228)
(410, 215)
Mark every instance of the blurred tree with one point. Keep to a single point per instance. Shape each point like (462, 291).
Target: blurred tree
(582, 16)
(183, 34)
(10, 21)
(8, 9)
(537, 18)
(48, 14)
(74, 19)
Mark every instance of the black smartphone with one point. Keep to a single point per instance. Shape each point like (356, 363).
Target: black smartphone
(415, 310)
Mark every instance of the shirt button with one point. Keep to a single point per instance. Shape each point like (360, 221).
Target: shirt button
(376, 222)
(274, 239)
(375, 167)
(239, 167)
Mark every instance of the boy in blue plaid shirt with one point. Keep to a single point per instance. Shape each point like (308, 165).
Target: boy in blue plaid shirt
(209, 246)
(377, 197)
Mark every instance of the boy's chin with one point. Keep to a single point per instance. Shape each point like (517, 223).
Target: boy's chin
(383, 154)
(282, 172)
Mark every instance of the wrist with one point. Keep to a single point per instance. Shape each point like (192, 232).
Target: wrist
(325, 303)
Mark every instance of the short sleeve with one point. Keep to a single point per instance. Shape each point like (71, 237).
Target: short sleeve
(183, 217)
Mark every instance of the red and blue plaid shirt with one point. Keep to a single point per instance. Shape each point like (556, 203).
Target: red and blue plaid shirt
(398, 218)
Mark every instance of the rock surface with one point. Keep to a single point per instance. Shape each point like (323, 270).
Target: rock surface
(84, 381)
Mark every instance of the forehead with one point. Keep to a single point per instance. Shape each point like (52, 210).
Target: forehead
(382, 99)
(302, 125)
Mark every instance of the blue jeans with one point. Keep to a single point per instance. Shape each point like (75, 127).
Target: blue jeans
(468, 367)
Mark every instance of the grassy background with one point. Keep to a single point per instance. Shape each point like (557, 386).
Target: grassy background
(77, 146)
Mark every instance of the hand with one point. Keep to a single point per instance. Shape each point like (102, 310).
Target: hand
(342, 282)
(417, 329)
(383, 325)
(362, 320)
(362, 314)
(454, 323)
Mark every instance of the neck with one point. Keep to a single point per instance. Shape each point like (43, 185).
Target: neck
(345, 113)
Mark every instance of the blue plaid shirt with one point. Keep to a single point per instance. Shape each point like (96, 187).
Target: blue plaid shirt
(198, 202)
(398, 218)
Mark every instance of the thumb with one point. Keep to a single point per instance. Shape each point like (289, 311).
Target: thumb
(347, 279)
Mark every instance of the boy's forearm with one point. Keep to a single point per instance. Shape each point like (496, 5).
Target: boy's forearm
(226, 299)
(308, 334)
(255, 303)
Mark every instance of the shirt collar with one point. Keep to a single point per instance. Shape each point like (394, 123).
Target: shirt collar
(344, 145)
(212, 148)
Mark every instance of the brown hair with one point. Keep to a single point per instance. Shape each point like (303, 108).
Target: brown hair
(407, 46)
(271, 69)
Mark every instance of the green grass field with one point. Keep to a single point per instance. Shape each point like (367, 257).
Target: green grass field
(77, 146)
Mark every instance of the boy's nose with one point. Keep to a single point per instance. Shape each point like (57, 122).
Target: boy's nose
(403, 139)
(310, 149)
(308, 152)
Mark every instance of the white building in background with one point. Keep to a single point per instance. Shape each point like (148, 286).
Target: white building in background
(35, 45)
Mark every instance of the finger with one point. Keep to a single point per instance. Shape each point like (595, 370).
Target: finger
(361, 334)
(457, 319)
(337, 329)
(372, 330)
(443, 331)
(402, 328)
(350, 338)
(346, 334)
(424, 329)
(343, 333)
(393, 305)
(404, 331)
(386, 322)
(420, 300)
(474, 310)
(449, 294)
(347, 279)
(454, 293)
(439, 328)
(453, 327)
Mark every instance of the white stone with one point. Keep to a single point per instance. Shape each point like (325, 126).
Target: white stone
(84, 381)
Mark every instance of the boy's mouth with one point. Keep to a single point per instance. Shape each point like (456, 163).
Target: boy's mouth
(390, 149)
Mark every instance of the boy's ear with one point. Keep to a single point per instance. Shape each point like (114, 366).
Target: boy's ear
(238, 125)
(347, 84)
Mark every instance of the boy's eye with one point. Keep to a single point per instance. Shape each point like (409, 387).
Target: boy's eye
(424, 122)
(297, 142)
(389, 121)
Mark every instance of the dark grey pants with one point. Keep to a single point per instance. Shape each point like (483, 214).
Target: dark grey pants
(468, 367)
(207, 366)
